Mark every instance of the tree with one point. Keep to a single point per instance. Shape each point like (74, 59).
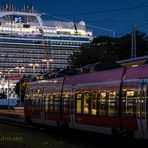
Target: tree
(97, 51)
(88, 54)
(108, 50)
(20, 89)
(3, 95)
(142, 43)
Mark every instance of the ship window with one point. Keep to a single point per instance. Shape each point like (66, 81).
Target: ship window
(26, 25)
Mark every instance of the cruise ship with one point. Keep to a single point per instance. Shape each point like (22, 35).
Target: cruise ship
(30, 45)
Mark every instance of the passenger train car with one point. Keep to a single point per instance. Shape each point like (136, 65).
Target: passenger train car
(102, 102)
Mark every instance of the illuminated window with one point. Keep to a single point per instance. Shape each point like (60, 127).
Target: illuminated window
(78, 103)
(130, 93)
(102, 103)
(66, 100)
(86, 104)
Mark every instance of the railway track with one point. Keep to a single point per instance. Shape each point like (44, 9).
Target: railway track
(15, 122)
(74, 135)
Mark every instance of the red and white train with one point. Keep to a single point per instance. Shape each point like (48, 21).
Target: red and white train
(92, 101)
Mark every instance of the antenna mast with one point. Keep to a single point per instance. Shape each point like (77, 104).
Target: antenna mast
(133, 43)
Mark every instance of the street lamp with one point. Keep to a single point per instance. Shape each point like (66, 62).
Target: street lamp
(33, 67)
(48, 64)
(105, 45)
(20, 70)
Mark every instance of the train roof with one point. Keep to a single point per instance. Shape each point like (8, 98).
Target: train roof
(110, 75)
(139, 72)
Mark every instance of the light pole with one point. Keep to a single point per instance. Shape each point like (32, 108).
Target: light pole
(20, 70)
(105, 45)
(48, 65)
(33, 67)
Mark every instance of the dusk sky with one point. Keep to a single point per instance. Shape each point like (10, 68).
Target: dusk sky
(103, 17)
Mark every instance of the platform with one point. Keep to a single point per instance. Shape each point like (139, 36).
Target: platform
(14, 113)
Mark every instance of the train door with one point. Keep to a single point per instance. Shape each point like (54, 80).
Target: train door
(72, 107)
(42, 104)
(112, 104)
(103, 103)
(142, 110)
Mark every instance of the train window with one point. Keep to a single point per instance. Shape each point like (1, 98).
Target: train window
(57, 102)
(94, 103)
(29, 94)
(130, 93)
(86, 103)
(66, 99)
(142, 103)
(42, 103)
(78, 103)
(51, 103)
(37, 94)
(39, 101)
(28, 102)
(46, 103)
(102, 103)
(112, 103)
(130, 103)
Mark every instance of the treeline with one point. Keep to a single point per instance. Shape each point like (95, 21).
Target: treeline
(108, 50)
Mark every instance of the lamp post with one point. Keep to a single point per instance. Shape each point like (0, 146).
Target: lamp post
(20, 70)
(105, 44)
(48, 64)
(33, 67)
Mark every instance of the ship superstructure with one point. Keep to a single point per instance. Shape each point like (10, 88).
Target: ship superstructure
(31, 46)
(36, 45)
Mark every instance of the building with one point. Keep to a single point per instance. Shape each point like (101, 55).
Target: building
(30, 45)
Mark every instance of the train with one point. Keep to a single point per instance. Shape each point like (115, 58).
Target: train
(109, 102)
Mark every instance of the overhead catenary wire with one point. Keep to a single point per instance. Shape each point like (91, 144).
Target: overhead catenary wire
(129, 30)
(103, 11)
(121, 11)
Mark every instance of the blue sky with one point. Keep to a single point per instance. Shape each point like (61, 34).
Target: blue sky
(103, 17)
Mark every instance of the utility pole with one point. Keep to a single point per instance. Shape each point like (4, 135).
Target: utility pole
(133, 43)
